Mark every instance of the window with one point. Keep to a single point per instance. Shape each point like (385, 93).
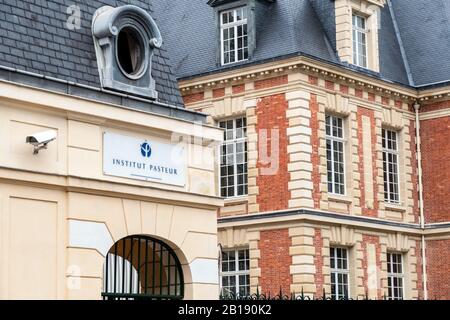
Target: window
(335, 154)
(339, 273)
(233, 158)
(390, 166)
(131, 51)
(395, 276)
(131, 36)
(359, 41)
(234, 38)
(235, 273)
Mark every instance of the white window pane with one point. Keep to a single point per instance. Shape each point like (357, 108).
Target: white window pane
(233, 171)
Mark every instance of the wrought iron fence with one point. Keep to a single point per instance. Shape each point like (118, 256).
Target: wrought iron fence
(291, 296)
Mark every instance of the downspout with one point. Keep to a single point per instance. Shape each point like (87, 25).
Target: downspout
(421, 209)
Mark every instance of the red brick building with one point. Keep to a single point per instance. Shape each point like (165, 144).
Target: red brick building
(336, 118)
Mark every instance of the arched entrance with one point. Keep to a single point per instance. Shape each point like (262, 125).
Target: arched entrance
(142, 267)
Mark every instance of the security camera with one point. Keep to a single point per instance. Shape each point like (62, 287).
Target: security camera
(40, 140)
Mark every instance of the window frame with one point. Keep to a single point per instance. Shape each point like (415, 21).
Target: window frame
(395, 275)
(356, 30)
(234, 25)
(237, 272)
(343, 141)
(235, 141)
(335, 271)
(394, 153)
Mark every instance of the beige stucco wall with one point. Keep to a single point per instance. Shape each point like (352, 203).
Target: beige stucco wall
(59, 214)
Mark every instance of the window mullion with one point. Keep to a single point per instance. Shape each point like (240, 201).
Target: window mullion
(222, 45)
(388, 175)
(235, 158)
(236, 261)
(333, 173)
(236, 58)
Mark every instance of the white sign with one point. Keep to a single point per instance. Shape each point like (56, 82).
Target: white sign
(141, 159)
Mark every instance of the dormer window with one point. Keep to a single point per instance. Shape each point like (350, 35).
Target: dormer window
(357, 28)
(131, 52)
(234, 35)
(359, 40)
(125, 39)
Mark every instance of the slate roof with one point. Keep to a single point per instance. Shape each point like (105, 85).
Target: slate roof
(34, 38)
(425, 31)
(414, 39)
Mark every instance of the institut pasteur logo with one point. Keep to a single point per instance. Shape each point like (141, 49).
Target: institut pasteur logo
(146, 150)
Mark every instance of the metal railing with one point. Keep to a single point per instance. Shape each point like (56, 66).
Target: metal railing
(291, 296)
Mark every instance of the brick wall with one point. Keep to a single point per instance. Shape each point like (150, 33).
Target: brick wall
(238, 89)
(275, 261)
(318, 262)
(194, 97)
(218, 93)
(436, 106)
(414, 176)
(271, 82)
(419, 269)
(273, 189)
(438, 269)
(436, 173)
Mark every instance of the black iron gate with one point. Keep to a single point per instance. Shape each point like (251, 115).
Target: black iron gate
(141, 267)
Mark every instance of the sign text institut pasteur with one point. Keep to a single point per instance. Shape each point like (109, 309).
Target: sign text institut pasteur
(141, 159)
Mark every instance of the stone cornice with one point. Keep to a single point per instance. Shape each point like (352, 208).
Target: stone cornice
(434, 95)
(380, 3)
(314, 68)
(302, 65)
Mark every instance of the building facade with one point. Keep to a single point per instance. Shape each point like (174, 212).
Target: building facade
(334, 165)
(102, 194)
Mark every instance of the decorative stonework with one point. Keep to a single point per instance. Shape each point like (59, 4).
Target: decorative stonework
(108, 24)
(232, 238)
(344, 10)
(299, 149)
(393, 118)
(380, 3)
(303, 269)
(292, 69)
(253, 238)
(398, 242)
(337, 103)
(342, 235)
(252, 154)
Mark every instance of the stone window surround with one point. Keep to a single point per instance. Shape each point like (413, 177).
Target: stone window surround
(107, 24)
(344, 39)
(398, 152)
(402, 189)
(337, 139)
(236, 272)
(347, 196)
